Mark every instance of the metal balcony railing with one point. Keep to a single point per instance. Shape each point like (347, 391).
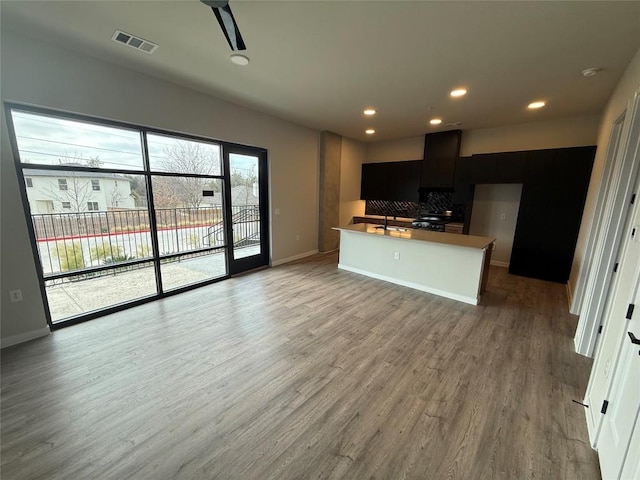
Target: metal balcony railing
(81, 240)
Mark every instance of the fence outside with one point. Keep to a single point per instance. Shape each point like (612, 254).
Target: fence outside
(77, 241)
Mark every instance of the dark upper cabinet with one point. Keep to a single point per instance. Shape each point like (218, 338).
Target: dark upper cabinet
(441, 151)
(462, 184)
(391, 181)
(498, 167)
(373, 185)
(404, 180)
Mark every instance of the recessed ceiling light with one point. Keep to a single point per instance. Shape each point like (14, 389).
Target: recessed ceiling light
(590, 72)
(435, 121)
(369, 131)
(534, 105)
(239, 59)
(458, 92)
(369, 111)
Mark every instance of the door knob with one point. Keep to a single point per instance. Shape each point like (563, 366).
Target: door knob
(634, 340)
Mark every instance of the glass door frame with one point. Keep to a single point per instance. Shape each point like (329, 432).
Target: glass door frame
(244, 264)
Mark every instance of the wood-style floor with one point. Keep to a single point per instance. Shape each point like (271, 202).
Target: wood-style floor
(304, 371)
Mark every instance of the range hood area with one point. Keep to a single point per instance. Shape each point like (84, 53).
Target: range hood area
(441, 152)
(412, 181)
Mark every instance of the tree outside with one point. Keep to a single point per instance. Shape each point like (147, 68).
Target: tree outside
(185, 157)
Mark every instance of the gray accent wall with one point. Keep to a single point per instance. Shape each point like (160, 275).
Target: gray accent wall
(329, 217)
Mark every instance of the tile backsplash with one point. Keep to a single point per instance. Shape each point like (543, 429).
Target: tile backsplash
(433, 202)
(392, 208)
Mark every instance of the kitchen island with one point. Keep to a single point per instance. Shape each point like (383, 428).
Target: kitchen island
(446, 264)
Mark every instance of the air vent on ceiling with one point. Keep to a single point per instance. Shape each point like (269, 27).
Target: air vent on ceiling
(134, 42)
(453, 124)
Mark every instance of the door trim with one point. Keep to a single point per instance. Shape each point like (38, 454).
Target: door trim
(244, 264)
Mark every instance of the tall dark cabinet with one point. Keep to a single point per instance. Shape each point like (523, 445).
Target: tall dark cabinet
(554, 189)
(553, 194)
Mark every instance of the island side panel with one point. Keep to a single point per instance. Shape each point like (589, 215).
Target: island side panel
(485, 267)
(446, 270)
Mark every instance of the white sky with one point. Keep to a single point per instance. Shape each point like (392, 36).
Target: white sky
(45, 140)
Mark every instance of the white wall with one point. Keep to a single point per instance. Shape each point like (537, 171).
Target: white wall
(628, 84)
(45, 188)
(566, 132)
(411, 148)
(34, 72)
(490, 203)
(352, 158)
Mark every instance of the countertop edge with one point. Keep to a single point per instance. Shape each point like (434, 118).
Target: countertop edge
(451, 239)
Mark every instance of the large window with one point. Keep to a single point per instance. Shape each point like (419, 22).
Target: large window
(121, 214)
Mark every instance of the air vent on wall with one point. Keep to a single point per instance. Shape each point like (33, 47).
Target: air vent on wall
(134, 42)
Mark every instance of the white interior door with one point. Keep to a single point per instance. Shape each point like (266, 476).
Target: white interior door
(624, 398)
(614, 324)
(610, 241)
(631, 468)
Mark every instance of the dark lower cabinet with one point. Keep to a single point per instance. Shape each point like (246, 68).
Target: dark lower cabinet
(554, 190)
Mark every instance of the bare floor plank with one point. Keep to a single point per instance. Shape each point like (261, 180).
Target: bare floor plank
(305, 371)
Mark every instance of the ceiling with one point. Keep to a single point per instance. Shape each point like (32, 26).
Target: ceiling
(319, 63)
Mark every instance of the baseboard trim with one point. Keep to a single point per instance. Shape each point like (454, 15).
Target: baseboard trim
(498, 263)
(275, 263)
(24, 337)
(569, 296)
(416, 286)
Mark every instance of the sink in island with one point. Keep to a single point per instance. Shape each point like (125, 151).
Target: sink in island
(446, 264)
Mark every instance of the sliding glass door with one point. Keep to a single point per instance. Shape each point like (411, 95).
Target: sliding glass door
(120, 214)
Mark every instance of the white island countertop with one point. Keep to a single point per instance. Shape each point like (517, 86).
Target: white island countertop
(471, 241)
(446, 264)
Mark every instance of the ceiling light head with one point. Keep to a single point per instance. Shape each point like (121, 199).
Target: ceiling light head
(239, 59)
(369, 111)
(536, 105)
(435, 121)
(590, 72)
(369, 131)
(458, 92)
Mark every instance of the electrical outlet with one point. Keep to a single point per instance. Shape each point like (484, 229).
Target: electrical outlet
(396, 255)
(297, 238)
(15, 295)
(276, 211)
(503, 216)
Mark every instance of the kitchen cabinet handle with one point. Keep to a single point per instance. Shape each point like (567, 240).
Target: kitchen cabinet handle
(634, 340)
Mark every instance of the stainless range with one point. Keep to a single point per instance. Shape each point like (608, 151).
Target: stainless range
(434, 222)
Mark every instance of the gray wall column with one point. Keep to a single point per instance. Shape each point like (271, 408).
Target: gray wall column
(330, 156)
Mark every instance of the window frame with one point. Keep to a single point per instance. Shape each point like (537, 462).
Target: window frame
(63, 182)
(146, 172)
(95, 185)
